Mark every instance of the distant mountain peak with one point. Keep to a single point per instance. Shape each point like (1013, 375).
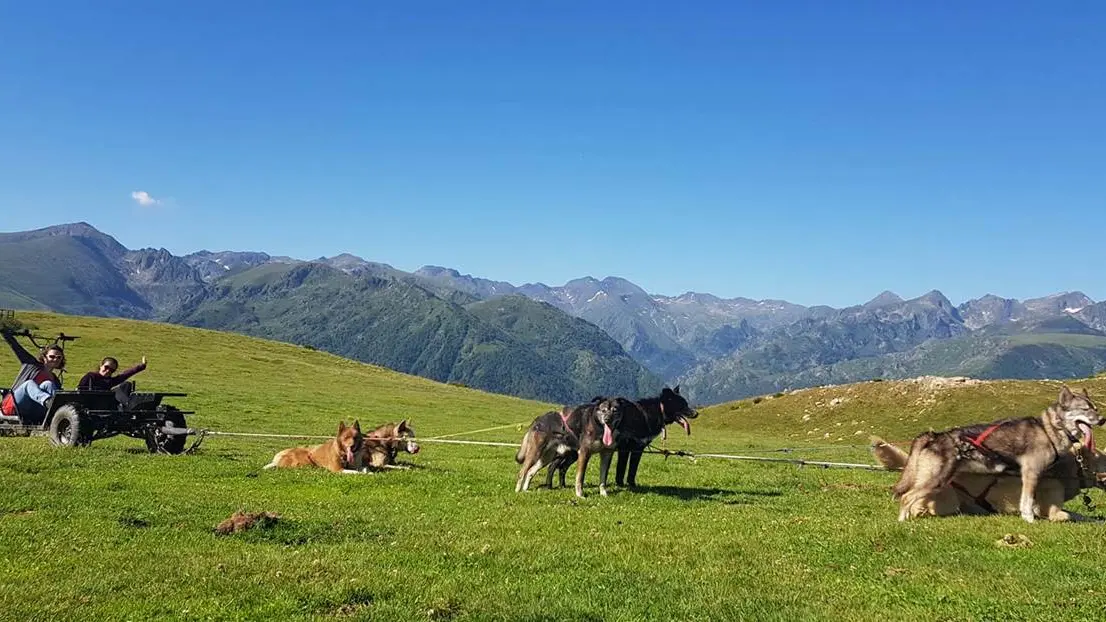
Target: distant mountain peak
(698, 297)
(886, 297)
(936, 298)
(109, 246)
(1063, 302)
(345, 260)
(433, 271)
(74, 229)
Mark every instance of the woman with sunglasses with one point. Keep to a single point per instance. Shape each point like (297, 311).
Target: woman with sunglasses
(36, 382)
(105, 379)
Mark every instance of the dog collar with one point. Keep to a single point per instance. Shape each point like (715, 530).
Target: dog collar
(1071, 437)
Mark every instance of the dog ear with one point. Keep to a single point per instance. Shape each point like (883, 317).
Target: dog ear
(1066, 396)
(1085, 394)
(341, 426)
(357, 425)
(676, 390)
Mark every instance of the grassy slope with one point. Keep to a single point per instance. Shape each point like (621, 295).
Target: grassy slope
(110, 532)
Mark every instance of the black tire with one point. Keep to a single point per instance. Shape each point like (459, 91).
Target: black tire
(70, 427)
(158, 442)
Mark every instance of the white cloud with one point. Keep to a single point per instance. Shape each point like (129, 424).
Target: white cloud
(144, 199)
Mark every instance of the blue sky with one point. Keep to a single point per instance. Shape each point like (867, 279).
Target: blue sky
(818, 152)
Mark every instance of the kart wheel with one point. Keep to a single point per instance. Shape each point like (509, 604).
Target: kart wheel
(158, 442)
(69, 428)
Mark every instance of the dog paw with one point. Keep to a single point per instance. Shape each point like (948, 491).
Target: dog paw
(1028, 517)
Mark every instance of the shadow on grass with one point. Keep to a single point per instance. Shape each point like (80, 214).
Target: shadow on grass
(408, 466)
(690, 493)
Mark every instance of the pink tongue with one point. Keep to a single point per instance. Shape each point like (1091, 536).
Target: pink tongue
(1088, 435)
(608, 436)
(686, 425)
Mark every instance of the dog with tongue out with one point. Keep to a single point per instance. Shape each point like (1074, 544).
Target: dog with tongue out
(595, 426)
(556, 439)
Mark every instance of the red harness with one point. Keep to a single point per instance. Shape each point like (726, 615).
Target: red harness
(564, 419)
(978, 441)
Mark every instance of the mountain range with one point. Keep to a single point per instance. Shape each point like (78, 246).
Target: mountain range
(560, 343)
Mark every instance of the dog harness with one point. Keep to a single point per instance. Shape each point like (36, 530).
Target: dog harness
(977, 442)
(564, 419)
(981, 498)
(664, 428)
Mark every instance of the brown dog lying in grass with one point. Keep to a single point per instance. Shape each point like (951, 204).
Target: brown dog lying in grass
(337, 455)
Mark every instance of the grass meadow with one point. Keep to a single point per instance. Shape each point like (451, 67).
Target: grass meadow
(111, 532)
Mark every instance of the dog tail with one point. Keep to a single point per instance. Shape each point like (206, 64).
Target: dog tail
(892, 458)
(909, 470)
(276, 459)
(521, 455)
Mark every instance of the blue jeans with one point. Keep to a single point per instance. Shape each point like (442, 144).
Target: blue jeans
(30, 398)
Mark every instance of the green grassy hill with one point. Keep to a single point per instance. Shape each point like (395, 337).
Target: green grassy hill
(111, 532)
(405, 327)
(897, 410)
(242, 383)
(571, 347)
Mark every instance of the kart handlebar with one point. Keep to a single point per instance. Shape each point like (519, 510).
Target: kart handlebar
(61, 337)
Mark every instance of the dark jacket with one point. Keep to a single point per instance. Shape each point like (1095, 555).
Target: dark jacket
(95, 381)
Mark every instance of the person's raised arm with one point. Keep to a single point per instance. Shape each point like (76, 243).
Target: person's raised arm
(21, 353)
(122, 376)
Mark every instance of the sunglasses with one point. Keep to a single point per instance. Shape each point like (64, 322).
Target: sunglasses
(53, 357)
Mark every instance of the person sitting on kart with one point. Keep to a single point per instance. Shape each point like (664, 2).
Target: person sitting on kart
(105, 379)
(36, 382)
